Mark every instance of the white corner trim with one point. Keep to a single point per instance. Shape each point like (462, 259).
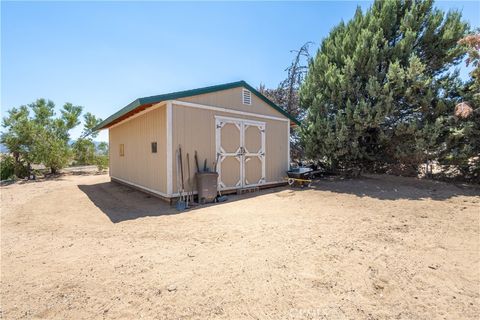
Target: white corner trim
(243, 113)
(169, 152)
(288, 149)
(155, 106)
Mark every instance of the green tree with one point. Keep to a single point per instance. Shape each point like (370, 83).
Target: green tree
(101, 156)
(380, 84)
(84, 151)
(102, 149)
(35, 135)
(19, 139)
(84, 147)
(461, 139)
(7, 167)
(471, 43)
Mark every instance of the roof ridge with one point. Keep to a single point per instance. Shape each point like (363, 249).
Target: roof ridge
(187, 93)
(182, 92)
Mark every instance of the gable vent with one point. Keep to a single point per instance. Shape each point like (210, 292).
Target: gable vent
(246, 97)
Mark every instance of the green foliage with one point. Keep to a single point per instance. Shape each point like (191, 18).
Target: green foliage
(7, 167)
(101, 161)
(90, 122)
(471, 43)
(34, 135)
(379, 91)
(84, 151)
(462, 145)
(20, 135)
(53, 152)
(101, 156)
(102, 149)
(84, 148)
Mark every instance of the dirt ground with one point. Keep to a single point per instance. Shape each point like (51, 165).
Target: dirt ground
(82, 247)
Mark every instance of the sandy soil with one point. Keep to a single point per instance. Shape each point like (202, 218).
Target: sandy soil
(81, 247)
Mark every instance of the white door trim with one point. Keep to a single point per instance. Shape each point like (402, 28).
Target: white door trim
(260, 154)
(220, 152)
(240, 123)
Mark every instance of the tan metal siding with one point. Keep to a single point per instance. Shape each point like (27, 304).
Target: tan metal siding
(194, 129)
(232, 99)
(140, 165)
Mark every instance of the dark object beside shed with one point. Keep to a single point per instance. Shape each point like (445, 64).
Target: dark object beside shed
(206, 186)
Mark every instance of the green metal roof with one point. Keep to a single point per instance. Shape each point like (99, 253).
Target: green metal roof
(187, 93)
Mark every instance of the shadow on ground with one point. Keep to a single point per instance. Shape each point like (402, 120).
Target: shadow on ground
(385, 187)
(121, 203)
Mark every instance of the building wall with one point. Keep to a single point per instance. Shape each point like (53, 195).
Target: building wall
(194, 129)
(139, 165)
(232, 99)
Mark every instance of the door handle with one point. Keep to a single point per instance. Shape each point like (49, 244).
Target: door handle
(241, 152)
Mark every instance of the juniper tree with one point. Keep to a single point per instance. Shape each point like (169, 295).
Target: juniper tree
(378, 84)
(461, 139)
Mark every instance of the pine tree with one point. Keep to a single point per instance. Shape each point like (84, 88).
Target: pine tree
(379, 83)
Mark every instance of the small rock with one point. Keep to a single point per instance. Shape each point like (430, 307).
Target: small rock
(172, 287)
(434, 267)
(191, 255)
(379, 285)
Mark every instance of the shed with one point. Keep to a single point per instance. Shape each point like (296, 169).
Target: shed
(231, 122)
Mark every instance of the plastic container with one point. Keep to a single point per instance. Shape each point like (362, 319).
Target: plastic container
(206, 186)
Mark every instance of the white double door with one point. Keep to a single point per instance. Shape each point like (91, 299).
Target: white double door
(240, 146)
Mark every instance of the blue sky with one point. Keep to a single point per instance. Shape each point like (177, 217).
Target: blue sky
(103, 55)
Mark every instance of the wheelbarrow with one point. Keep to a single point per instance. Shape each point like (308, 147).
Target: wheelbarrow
(302, 176)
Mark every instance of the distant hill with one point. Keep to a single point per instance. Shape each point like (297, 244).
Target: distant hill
(96, 143)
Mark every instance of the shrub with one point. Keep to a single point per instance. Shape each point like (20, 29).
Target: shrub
(7, 166)
(102, 162)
